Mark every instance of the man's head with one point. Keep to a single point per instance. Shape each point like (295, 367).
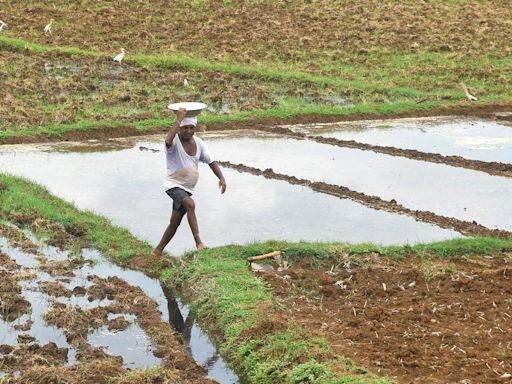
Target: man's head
(188, 127)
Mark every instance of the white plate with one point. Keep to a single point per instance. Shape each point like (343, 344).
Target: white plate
(193, 108)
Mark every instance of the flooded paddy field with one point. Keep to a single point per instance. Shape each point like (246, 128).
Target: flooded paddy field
(124, 182)
(418, 185)
(470, 138)
(76, 315)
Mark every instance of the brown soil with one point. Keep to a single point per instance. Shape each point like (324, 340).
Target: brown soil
(375, 202)
(416, 320)
(12, 303)
(56, 289)
(266, 30)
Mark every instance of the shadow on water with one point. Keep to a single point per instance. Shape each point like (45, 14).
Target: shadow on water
(196, 341)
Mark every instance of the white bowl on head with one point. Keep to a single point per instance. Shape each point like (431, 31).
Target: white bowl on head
(193, 108)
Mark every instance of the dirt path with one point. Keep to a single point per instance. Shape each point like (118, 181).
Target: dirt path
(417, 320)
(375, 202)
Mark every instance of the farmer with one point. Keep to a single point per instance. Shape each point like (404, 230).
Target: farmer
(183, 152)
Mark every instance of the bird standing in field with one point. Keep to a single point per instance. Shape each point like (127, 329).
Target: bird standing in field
(466, 92)
(48, 27)
(119, 57)
(2, 25)
(185, 83)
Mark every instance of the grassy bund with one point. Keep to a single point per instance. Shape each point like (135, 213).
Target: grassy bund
(231, 302)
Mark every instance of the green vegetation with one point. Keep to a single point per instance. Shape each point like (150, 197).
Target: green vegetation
(21, 202)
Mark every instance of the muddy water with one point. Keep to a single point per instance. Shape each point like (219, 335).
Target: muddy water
(132, 343)
(470, 138)
(448, 191)
(126, 186)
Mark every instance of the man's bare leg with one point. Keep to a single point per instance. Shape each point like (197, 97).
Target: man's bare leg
(169, 233)
(190, 205)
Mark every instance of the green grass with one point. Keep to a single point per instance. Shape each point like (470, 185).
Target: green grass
(25, 198)
(284, 111)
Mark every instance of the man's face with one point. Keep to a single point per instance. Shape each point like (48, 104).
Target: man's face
(187, 131)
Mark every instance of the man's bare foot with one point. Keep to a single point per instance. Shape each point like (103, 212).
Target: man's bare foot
(156, 253)
(200, 246)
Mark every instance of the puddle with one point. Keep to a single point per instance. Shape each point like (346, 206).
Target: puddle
(448, 191)
(253, 208)
(132, 343)
(39, 303)
(474, 139)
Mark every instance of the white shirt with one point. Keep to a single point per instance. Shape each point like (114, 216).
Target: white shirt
(183, 169)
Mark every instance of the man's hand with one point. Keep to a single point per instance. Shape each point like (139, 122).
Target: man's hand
(222, 185)
(180, 115)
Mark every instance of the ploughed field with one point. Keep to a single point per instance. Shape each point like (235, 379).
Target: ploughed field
(416, 320)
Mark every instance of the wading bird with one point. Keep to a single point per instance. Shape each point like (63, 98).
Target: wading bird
(466, 92)
(2, 25)
(48, 27)
(119, 57)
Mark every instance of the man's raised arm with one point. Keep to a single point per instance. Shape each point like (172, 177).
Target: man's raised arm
(180, 115)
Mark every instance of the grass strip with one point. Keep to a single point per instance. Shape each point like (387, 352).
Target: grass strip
(180, 61)
(21, 199)
(283, 111)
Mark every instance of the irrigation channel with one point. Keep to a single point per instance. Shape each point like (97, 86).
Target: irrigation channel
(283, 183)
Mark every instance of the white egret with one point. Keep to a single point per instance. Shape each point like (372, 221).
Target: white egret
(2, 25)
(48, 27)
(466, 92)
(119, 57)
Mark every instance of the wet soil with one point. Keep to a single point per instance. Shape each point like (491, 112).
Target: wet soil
(416, 320)
(48, 363)
(375, 202)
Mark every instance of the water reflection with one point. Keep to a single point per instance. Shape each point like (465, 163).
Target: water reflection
(196, 341)
(126, 186)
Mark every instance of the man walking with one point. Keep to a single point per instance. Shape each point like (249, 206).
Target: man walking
(184, 151)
